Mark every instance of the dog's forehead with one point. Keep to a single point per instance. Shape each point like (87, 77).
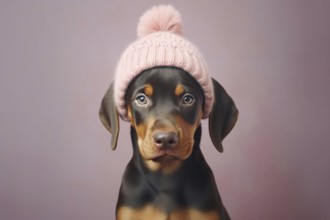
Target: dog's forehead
(167, 78)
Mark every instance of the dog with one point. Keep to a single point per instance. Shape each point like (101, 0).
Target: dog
(168, 177)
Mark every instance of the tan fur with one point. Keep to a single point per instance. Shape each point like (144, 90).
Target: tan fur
(148, 90)
(166, 169)
(148, 149)
(179, 90)
(152, 213)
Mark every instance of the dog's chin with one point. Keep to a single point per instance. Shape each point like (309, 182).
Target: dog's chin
(165, 159)
(165, 163)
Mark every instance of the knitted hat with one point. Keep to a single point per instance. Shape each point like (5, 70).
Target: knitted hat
(160, 44)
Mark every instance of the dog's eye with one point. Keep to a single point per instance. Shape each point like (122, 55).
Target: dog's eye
(141, 99)
(188, 99)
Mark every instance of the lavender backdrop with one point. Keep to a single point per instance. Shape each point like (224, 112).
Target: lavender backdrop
(57, 60)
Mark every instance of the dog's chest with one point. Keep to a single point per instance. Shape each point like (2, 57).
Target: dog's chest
(152, 212)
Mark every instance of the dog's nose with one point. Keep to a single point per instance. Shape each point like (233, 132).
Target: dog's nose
(165, 140)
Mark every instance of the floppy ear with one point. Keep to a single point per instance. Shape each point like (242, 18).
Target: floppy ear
(223, 116)
(109, 116)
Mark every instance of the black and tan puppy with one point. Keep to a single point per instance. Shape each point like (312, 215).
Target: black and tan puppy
(168, 177)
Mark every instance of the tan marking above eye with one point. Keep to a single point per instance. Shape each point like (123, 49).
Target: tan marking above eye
(179, 90)
(149, 90)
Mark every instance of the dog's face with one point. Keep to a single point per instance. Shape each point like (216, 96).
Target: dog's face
(165, 107)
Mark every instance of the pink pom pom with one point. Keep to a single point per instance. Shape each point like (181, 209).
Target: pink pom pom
(160, 18)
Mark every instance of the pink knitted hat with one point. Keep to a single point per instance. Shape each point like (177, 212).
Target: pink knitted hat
(160, 44)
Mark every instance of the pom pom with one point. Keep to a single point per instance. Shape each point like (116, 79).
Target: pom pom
(160, 18)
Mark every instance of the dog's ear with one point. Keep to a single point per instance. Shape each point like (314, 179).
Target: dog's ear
(109, 116)
(223, 116)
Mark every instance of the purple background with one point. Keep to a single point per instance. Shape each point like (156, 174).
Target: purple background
(57, 60)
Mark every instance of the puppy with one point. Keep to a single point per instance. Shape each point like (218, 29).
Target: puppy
(168, 177)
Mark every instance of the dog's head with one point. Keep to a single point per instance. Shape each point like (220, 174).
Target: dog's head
(165, 107)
